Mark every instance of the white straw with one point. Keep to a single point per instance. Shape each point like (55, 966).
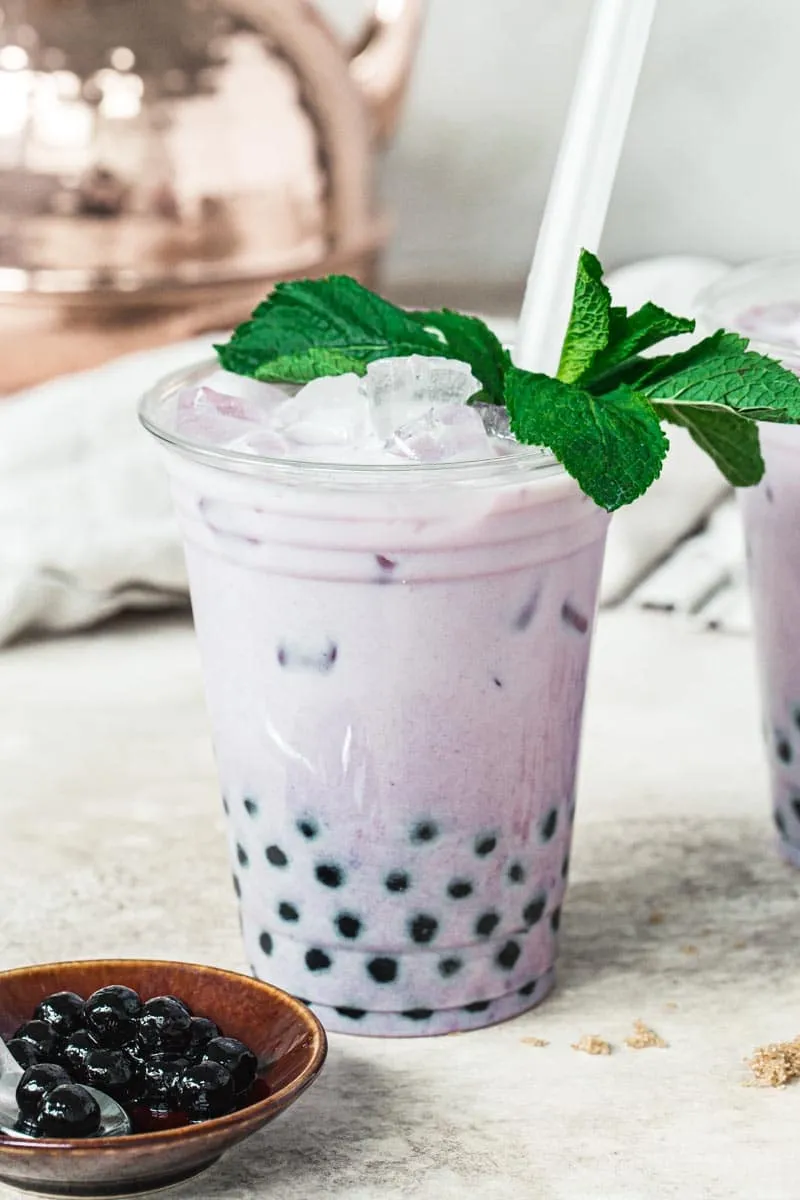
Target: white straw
(584, 175)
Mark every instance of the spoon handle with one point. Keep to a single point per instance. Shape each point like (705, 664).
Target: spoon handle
(8, 1064)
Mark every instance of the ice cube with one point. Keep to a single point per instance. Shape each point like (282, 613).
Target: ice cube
(495, 419)
(442, 433)
(205, 415)
(398, 388)
(245, 388)
(266, 443)
(331, 411)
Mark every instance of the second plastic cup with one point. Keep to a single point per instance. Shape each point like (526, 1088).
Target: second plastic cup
(395, 661)
(762, 301)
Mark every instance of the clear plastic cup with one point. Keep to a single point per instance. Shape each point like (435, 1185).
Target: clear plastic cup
(762, 301)
(395, 660)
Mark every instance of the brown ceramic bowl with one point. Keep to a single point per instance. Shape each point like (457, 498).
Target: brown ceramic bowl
(288, 1040)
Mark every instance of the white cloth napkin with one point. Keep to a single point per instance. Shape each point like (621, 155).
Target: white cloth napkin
(86, 525)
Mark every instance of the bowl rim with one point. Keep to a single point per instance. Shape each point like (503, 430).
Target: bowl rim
(242, 1116)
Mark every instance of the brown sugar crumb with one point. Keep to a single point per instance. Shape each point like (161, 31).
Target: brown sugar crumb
(644, 1038)
(655, 918)
(534, 1041)
(590, 1043)
(688, 949)
(776, 1065)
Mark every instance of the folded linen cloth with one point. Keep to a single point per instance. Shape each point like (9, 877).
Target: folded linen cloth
(86, 525)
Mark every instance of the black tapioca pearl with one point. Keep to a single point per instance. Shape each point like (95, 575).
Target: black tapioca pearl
(237, 887)
(516, 873)
(288, 912)
(487, 923)
(508, 955)
(459, 888)
(498, 682)
(783, 748)
(424, 831)
(449, 967)
(241, 854)
(397, 881)
(780, 820)
(477, 1006)
(795, 803)
(383, 970)
(533, 911)
(417, 1014)
(423, 928)
(528, 989)
(565, 867)
(348, 925)
(549, 825)
(250, 806)
(265, 942)
(318, 960)
(576, 620)
(485, 844)
(329, 874)
(526, 614)
(308, 828)
(299, 658)
(352, 1014)
(555, 919)
(276, 856)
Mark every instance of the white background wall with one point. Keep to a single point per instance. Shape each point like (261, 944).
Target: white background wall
(712, 162)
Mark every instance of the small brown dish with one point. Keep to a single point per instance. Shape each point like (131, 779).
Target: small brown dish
(287, 1038)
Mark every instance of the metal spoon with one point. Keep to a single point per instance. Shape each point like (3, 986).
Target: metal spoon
(114, 1121)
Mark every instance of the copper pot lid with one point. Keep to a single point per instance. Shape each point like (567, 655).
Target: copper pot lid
(157, 149)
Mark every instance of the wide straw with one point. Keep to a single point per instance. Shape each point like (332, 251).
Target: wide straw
(584, 176)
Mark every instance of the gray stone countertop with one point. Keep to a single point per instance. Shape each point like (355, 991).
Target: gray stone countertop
(679, 913)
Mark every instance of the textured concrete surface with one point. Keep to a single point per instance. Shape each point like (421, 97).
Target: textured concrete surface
(678, 913)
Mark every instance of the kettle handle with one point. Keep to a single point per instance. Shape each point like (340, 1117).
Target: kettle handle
(382, 57)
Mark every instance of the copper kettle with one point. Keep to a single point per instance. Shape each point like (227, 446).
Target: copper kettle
(160, 151)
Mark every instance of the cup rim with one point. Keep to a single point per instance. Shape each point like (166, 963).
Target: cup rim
(525, 462)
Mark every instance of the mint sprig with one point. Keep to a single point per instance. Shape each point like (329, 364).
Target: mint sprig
(314, 327)
(601, 416)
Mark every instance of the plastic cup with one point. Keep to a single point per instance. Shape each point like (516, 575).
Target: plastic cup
(395, 662)
(762, 301)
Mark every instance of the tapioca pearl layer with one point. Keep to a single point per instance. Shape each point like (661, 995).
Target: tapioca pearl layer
(422, 976)
(425, 1022)
(492, 889)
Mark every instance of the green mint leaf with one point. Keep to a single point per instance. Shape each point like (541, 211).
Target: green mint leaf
(730, 440)
(335, 314)
(629, 335)
(612, 445)
(588, 330)
(310, 364)
(473, 342)
(721, 370)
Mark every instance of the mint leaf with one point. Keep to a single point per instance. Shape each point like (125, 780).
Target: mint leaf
(335, 314)
(473, 342)
(721, 371)
(629, 335)
(730, 440)
(588, 329)
(612, 445)
(310, 364)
